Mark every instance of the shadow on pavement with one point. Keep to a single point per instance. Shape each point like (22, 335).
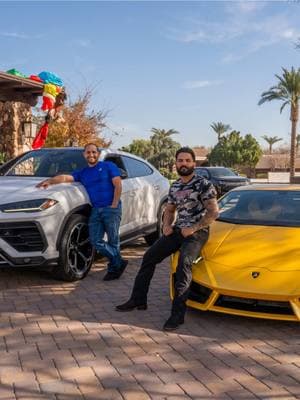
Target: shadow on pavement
(65, 341)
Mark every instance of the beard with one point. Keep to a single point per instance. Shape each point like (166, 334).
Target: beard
(185, 171)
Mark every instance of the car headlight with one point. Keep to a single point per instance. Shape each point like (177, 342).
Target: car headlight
(28, 205)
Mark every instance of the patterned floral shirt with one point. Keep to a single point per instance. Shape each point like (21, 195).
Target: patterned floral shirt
(189, 199)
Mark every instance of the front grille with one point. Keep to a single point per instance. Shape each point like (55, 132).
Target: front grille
(22, 236)
(197, 292)
(255, 305)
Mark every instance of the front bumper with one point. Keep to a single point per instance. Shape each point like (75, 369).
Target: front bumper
(27, 261)
(209, 292)
(29, 239)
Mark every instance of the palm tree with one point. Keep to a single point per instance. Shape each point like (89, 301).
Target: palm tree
(163, 147)
(220, 128)
(271, 140)
(288, 91)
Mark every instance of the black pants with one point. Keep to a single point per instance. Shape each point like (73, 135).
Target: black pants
(189, 247)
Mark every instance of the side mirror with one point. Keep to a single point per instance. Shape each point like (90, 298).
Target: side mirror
(123, 173)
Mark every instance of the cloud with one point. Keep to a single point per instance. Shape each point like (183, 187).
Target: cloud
(18, 62)
(200, 84)
(82, 43)
(205, 32)
(242, 24)
(15, 35)
(245, 7)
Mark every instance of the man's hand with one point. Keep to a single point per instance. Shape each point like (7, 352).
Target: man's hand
(187, 231)
(44, 184)
(168, 219)
(167, 230)
(55, 180)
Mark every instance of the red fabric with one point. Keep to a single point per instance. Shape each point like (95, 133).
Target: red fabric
(48, 103)
(35, 78)
(41, 137)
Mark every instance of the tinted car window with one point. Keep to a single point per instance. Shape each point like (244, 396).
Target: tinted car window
(202, 172)
(219, 172)
(136, 168)
(45, 163)
(261, 207)
(116, 159)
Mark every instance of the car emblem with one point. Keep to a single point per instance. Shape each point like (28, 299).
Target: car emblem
(255, 274)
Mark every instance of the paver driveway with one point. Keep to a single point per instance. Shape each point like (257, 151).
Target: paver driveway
(65, 341)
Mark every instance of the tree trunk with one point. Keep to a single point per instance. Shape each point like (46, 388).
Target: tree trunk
(294, 119)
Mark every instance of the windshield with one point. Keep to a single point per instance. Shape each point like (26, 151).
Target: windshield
(217, 172)
(261, 207)
(46, 163)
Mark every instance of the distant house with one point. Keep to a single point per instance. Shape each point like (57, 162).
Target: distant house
(275, 163)
(17, 96)
(201, 153)
(267, 162)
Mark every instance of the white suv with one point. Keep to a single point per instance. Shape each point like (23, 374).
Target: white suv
(48, 227)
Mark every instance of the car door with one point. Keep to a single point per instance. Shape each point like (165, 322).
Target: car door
(145, 197)
(128, 189)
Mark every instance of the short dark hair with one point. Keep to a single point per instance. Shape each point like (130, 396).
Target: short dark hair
(186, 150)
(91, 144)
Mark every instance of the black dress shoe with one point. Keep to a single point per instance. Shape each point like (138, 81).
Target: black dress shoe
(110, 276)
(123, 267)
(173, 323)
(131, 305)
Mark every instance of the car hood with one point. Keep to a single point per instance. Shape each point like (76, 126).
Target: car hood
(24, 188)
(231, 178)
(275, 248)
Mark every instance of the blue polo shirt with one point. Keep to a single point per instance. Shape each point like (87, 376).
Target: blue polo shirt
(97, 181)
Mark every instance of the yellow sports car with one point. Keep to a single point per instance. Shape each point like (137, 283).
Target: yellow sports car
(250, 265)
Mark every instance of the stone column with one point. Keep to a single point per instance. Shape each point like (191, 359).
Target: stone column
(12, 138)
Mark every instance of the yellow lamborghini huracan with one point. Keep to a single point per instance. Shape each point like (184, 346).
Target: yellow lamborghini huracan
(250, 265)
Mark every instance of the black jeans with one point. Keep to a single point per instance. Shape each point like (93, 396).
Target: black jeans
(189, 248)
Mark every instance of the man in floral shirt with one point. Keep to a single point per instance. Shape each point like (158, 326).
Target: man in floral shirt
(191, 207)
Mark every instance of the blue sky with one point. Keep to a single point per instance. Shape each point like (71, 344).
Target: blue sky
(180, 65)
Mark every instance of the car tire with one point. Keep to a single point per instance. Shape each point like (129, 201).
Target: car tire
(152, 237)
(76, 254)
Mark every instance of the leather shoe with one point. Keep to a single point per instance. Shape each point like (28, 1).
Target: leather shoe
(131, 305)
(110, 276)
(173, 323)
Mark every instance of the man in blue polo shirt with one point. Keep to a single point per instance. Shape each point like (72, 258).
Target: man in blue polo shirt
(103, 184)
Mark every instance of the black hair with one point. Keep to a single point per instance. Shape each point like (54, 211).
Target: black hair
(186, 150)
(91, 144)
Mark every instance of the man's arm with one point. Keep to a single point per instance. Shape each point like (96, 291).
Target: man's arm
(117, 182)
(212, 213)
(168, 219)
(55, 180)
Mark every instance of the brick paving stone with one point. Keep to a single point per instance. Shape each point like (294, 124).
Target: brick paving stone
(134, 394)
(47, 374)
(195, 389)
(163, 390)
(176, 377)
(7, 392)
(65, 341)
(106, 394)
(60, 387)
(241, 394)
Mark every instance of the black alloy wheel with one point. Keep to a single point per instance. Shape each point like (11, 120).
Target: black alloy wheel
(76, 253)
